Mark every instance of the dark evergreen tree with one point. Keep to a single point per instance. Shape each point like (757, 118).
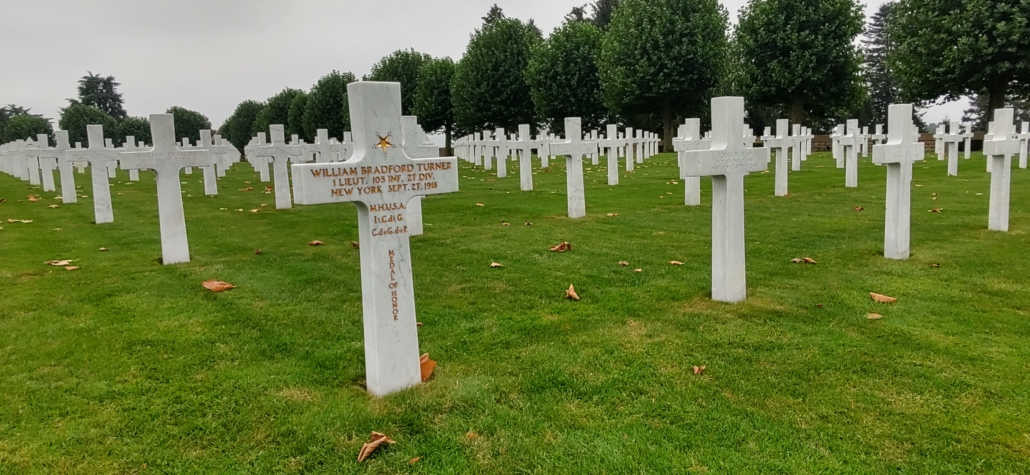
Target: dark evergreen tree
(494, 15)
(577, 14)
(101, 92)
(883, 89)
(239, 127)
(401, 66)
(433, 104)
(601, 12)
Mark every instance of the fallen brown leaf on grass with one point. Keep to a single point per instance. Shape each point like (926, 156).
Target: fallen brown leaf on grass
(71, 268)
(494, 265)
(369, 447)
(612, 215)
(418, 324)
(699, 369)
(564, 246)
(675, 263)
(25, 221)
(936, 210)
(254, 210)
(355, 245)
(249, 188)
(471, 435)
(217, 285)
(103, 249)
(882, 298)
(258, 252)
(571, 293)
(57, 263)
(33, 198)
(637, 271)
(859, 208)
(54, 206)
(935, 266)
(806, 260)
(874, 316)
(414, 460)
(480, 204)
(505, 224)
(315, 243)
(623, 264)
(3, 200)
(426, 366)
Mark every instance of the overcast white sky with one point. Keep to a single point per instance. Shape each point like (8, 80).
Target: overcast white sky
(209, 55)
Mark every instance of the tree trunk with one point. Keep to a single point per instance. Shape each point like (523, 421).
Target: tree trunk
(667, 122)
(447, 141)
(797, 111)
(997, 101)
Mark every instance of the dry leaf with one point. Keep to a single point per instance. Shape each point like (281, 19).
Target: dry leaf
(806, 260)
(59, 263)
(637, 271)
(859, 208)
(71, 268)
(935, 266)
(249, 188)
(495, 265)
(217, 285)
(675, 263)
(369, 447)
(699, 369)
(254, 210)
(414, 460)
(528, 223)
(874, 316)
(936, 210)
(103, 249)
(882, 298)
(505, 224)
(264, 205)
(612, 215)
(571, 293)
(258, 252)
(418, 324)
(480, 204)
(2, 200)
(426, 366)
(25, 221)
(33, 199)
(355, 245)
(315, 243)
(54, 206)
(623, 263)
(565, 246)
(809, 260)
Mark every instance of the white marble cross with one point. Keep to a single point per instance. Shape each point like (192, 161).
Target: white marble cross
(849, 142)
(64, 167)
(691, 140)
(780, 144)
(899, 153)
(938, 139)
(727, 162)
(999, 150)
(629, 149)
(278, 152)
(112, 167)
(575, 149)
(835, 147)
(99, 157)
(950, 143)
(609, 146)
(968, 136)
(525, 151)
(207, 142)
(45, 161)
(381, 180)
(797, 147)
(167, 160)
(225, 154)
(414, 148)
(1024, 141)
(259, 163)
(130, 145)
(501, 150)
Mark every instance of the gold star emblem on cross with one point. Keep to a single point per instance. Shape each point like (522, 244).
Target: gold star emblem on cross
(384, 142)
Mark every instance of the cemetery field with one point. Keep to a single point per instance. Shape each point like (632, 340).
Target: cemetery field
(128, 366)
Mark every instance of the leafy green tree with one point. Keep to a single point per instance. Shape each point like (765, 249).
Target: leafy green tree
(26, 126)
(433, 98)
(883, 89)
(979, 110)
(800, 54)
(9, 112)
(239, 127)
(401, 66)
(76, 117)
(137, 127)
(494, 15)
(953, 48)
(327, 106)
(276, 111)
(295, 118)
(188, 123)
(601, 12)
(489, 88)
(663, 56)
(563, 76)
(101, 92)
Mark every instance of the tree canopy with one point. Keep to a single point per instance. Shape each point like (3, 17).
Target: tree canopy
(952, 48)
(489, 88)
(327, 106)
(663, 56)
(239, 127)
(433, 97)
(9, 112)
(101, 92)
(137, 127)
(276, 111)
(800, 55)
(295, 118)
(401, 66)
(188, 123)
(563, 77)
(76, 117)
(26, 126)
(883, 89)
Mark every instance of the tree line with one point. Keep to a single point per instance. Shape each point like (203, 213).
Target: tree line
(651, 63)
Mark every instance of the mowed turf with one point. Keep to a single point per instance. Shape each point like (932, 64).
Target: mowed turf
(128, 366)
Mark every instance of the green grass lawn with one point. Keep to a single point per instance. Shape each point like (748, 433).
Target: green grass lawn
(127, 366)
